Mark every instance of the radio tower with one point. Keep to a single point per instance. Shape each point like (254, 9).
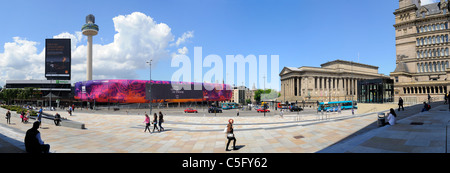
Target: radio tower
(89, 29)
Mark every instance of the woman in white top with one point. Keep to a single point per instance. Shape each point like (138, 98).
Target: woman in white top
(391, 119)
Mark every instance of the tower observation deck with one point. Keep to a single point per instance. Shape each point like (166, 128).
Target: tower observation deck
(89, 29)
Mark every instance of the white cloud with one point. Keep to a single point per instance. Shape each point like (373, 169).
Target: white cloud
(183, 50)
(21, 60)
(138, 39)
(184, 37)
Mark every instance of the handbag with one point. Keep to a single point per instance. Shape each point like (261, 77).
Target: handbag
(230, 135)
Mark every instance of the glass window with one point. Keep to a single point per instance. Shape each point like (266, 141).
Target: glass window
(418, 68)
(439, 66)
(422, 67)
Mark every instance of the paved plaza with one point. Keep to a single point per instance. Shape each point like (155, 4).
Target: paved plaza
(305, 133)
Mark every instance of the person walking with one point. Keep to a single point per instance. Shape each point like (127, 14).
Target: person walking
(445, 98)
(39, 117)
(429, 98)
(22, 115)
(230, 135)
(449, 101)
(400, 104)
(70, 111)
(27, 116)
(147, 123)
(155, 122)
(161, 120)
(8, 117)
(33, 141)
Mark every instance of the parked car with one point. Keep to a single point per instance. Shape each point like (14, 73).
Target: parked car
(190, 110)
(263, 110)
(296, 109)
(214, 110)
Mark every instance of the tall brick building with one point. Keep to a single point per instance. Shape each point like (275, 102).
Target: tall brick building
(422, 45)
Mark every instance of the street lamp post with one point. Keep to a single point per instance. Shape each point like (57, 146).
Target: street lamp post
(151, 99)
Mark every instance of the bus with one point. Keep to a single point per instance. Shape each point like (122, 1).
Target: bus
(333, 106)
(226, 106)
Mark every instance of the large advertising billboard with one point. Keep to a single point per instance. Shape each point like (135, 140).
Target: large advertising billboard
(135, 91)
(57, 59)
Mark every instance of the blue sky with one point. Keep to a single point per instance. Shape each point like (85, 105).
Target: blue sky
(301, 32)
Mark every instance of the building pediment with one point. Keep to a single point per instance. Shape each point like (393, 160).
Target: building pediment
(285, 71)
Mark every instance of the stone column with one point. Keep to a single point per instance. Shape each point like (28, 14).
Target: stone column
(299, 86)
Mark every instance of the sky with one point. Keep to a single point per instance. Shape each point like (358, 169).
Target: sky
(299, 32)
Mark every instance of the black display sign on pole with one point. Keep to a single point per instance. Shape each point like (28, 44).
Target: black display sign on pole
(58, 57)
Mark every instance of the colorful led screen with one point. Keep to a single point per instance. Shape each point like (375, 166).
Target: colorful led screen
(134, 91)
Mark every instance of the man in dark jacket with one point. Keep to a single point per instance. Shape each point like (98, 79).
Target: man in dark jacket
(33, 141)
(400, 104)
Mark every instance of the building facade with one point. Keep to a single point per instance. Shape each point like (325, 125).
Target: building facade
(49, 90)
(422, 46)
(333, 81)
(376, 91)
(239, 95)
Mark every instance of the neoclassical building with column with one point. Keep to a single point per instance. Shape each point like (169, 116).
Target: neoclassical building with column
(333, 81)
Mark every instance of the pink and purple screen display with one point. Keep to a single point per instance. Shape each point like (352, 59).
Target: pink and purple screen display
(134, 91)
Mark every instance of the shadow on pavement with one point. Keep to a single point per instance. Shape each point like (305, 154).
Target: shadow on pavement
(409, 111)
(10, 145)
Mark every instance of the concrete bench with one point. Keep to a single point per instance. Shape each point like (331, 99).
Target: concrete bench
(49, 119)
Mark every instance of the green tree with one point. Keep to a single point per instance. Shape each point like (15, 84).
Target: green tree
(10, 94)
(258, 93)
